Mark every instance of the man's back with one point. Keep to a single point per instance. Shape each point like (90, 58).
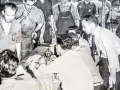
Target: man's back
(72, 71)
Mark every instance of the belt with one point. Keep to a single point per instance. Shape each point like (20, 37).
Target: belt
(97, 84)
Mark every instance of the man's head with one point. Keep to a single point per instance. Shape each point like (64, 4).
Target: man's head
(65, 42)
(8, 63)
(89, 24)
(9, 12)
(29, 2)
(87, 1)
(64, 1)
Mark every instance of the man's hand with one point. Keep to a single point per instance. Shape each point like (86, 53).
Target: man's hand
(112, 80)
(108, 21)
(112, 77)
(34, 58)
(41, 40)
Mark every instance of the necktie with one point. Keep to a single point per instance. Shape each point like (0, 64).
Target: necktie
(93, 49)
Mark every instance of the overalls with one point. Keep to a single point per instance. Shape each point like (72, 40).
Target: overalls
(65, 19)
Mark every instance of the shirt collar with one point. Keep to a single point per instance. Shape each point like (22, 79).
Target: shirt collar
(66, 4)
(95, 31)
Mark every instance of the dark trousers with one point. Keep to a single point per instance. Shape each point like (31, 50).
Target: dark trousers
(104, 72)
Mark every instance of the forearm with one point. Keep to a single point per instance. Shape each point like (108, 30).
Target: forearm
(39, 26)
(18, 49)
(52, 22)
(113, 71)
(37, 73)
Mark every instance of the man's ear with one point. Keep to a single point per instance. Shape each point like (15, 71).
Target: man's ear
(3, 12)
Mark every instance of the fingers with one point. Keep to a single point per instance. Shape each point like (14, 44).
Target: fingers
(112, 81)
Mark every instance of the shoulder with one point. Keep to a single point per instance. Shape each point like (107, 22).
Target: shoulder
(56, 6)
(92, 3)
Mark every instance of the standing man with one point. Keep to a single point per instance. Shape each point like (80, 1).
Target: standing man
(108, 47)
(10, 30)
(46, 7)
(65, 14)
(86, 7)
(32, 20)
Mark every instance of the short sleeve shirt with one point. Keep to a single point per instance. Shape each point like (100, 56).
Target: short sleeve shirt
(9, 41)
(35, 16)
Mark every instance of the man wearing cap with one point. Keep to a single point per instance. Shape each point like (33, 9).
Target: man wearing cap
(32, 20)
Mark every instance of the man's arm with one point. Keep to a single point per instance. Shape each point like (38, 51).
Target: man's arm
(40, 21)
(75, 15)
(18, 49)
(18, 40)
(112, 55)
(109, 13)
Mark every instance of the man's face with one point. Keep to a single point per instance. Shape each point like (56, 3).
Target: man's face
(9, 14)
(64, 1)
(30, 2)
(86, 27)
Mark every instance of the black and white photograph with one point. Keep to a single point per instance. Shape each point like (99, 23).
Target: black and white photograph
(59, 44)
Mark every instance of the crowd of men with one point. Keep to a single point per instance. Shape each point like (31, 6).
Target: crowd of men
(73, 29)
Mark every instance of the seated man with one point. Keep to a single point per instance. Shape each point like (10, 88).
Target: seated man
(72, 67)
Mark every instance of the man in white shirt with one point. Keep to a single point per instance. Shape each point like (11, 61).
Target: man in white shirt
(62, 62)
(108, 47)
(70, 67)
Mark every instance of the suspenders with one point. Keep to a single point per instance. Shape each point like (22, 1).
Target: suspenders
(55, 51)
(68, 9)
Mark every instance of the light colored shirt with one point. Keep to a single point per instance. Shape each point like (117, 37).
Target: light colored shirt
(84, 51)
(14, 36)
(72, 71)
(65, 8)
(109, 44)
(34, 17)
